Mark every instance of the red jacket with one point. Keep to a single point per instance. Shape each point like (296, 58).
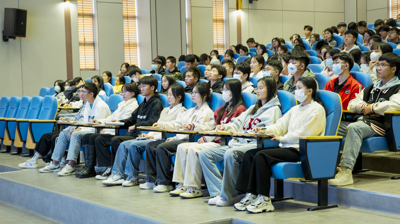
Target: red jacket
(348, 92)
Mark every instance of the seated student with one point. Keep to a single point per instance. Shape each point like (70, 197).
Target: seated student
(229, 66)
(190, 62)
(350, 38)
(218, 72)
(367, 34)
(124, 69)
(300, 48)
(251, 43)
(182, 58)
(329, 62)
(275, 43)
(362, 27)
(314, 38)
(98, 81)
(157, 67)
(364, 61)
(187, 169)
(59, 89)
(230, 55)
(393, 36)
(328, 35)
(377, 50)
(257, 65)
(265, 112)
(294, 37)
(208, 60)
(146, 114)
(307, 32)
(319, 45)
(214, 58)
(297, 41)
(127, 159)
(262, 50)
(244, 51)
(372, 102)
(135, 73)
(377, 24)
(383, 32)
(233, 48)
(242, 71)
(173, 70)
(282, 41)
(107, 77)
(119, 83)
(284, 59)
(306, 119)
(374, 39)
(323, 51)
(356, 53)
(191, 79)
(167, 81)
(237, 47)
(341, 28)
(298, 67)
(71, 88)
(335, 30)
(352, 26)
(207, 71)
(95, 108)
(196, 119)
(281, 49)
(124, 111)
(273, 69)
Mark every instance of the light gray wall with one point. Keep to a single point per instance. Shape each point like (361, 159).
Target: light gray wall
(377, 10)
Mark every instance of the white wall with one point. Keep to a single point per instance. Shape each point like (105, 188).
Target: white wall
(377, 10)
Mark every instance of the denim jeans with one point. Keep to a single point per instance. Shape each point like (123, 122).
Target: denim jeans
(356, 132)
(224, 186)
(74, 145)
(127, 159)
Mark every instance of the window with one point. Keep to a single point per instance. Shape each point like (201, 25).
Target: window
(86, 34)
(130, 36)
(394, 9)
(218, 25)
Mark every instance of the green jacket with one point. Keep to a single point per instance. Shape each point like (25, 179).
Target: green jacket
(290, 86)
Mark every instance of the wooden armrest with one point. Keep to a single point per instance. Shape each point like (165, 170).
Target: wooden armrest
(67, 123)
(320, 137)
(150, 128)
(392, 112)
(23, 120)
(9, 119)
(348, 112)
(181, 132)
(105, 126)
(42, 121)
(213, 133)
(251, 135)
(69, 108)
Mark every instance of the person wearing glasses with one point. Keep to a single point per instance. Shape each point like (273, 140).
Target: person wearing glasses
(273, 69)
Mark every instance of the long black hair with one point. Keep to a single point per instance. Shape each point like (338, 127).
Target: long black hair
(235, 87)
(171, 80)
(204, 90)
(310, 83)
(272, 91)
(61, 84)
(100, 80)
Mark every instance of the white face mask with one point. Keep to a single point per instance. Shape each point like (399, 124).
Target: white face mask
(364, 68)
(67, 87)
(238, 77)
(135, 79)
(226, 96)
(300, 96)
(375, 56)
(292, 68)
(57, 89)
(267, 73)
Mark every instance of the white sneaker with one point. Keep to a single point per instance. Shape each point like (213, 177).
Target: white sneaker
(66, 171)
(63, 162)
(163, 188)
(178, 190)
(342, 178)
(213, 200)
(247, 200)
(261, 204)
(50, 168)
(113, 180)
(222, 203)
(104, 175)
(147, 186)
(192, 192)
(130, 182)
(29, 164)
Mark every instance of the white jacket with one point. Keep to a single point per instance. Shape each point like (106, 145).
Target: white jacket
(309, 120)
(260, 74)
(247, 87)
(99, 110)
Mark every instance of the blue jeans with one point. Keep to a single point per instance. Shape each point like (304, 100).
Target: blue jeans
(127, 159)
(224, 186)
(74, 145)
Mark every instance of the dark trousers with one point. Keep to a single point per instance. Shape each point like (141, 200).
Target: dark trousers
(255, 172)
(164, 153)
(105, 156)
(89, 140)
(46, 144)
(151, 160)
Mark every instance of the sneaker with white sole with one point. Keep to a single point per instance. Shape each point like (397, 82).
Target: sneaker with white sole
(130, 182)
(261, 204)
(66, 171)
(192, 192)
(29, 164)
(342, 178)
(222, 202)
(213, 200)
(178, 190)
(104, 175)
(247, 200)
(163, 188)
(113, 180)
(50, 168)
(147, 186)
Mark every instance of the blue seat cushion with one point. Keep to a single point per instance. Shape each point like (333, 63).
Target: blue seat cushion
(287, 170)
(372, 144)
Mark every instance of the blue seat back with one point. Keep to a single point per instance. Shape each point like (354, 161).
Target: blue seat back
(4, 101)
(315, 68)
(236, 56)
(283, 78)
(13, 107)
(290, 47)
(166, 71)
(392, 44)
(307, 45)
(269, 52)
(254, 80)
(252, 54)
(113, 102)
(202, 69)
(363, 78)
(268, 45)
(396, 51)
(355, 68)
(339, 39)
(44, 91)
(108, 88)
(287, 101)
(140, 98)
(333, 109)
(225, 79)
(182, 83)
(145, 71)
(364, 48)
(221, 57)
(289, 43)
(216, 101)
(371, 26)
(241, 59)
(322, 79)
(51, 91)
(127, 80)
(23, 107)
(249, 99)
(104, 98)
(315, 60)
(253, 49)
(112, 81)
(312, 53)
(164, 100)
(89, 80)
(180, 65)
(205, 80)
(157, 76)
(49, 108)
(159, 86)
(188, 102)
(34, 107)
(183, 69)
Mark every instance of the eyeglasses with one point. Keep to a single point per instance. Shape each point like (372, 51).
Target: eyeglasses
(382, 64)
(82, 91)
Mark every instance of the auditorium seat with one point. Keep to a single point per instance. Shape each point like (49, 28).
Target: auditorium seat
(183, 70)
(252, 54)
(283, 78)
(315, 68)
(11, 112)
(355, 68)
(51, 91)
(253, 49)
(249, 99)
(226, 79)
(4, 102)
(203, 80)
(104, 98)
(312, 53)
(216, 101)
(254, 80)
(180, 65)
(127, 80)
(140, 98)
(112, 81)
(108, 88)
(363, 78)
(202, 69)
(396, 51)
(364, 48)
(188, 102)
(322, 79)
(113, 102)
(221, 58)
(182, 83)
(392, 44)
(159, 87)
(315, 60)
(241, 59)
(164, 100)
(145, 71)
(44, 91)
(236, 56)
(269, 52)
(158, 77)
(339, 39)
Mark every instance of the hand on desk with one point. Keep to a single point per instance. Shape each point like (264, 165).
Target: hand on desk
(156, 125)
(131, 128)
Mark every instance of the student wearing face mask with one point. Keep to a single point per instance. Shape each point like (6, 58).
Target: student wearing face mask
(306, 119)
(135, 73)
(377, 49)
(187, 169)
(273, 69)
(157, 67)
(329, 62)
(59, 89)
(257, 64)
(364, 61)
(241, 73)
(298, 67)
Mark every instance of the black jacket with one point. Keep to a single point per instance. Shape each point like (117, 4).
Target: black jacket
(146, 114)
(217, 87)
(161, 71)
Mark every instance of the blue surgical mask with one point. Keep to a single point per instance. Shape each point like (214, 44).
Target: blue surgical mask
(329, 63)
(337, 69)
(154, 67)
(267, 73)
